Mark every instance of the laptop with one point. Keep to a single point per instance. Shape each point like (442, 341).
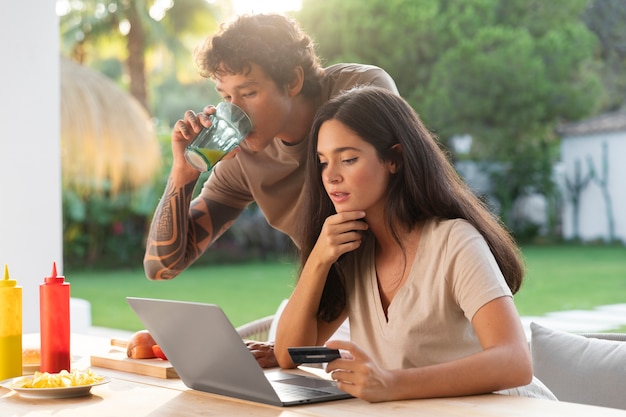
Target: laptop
(209, 355)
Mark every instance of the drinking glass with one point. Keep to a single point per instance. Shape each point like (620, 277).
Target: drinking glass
(229, 126)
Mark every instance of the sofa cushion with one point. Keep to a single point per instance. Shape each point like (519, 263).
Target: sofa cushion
(580, 369)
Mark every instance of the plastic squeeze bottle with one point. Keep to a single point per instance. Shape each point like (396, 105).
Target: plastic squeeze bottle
(54, 323)
(10, 327)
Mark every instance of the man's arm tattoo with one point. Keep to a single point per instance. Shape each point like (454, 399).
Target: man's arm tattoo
(168, 248)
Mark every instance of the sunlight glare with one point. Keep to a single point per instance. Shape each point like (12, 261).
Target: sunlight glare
(63, 7)
(160, 8)
(266, 6)
(124, 27)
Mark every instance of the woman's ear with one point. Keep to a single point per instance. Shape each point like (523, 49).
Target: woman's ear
(396, 160)
(294, 87)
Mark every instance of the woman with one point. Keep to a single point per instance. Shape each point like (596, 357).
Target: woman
(399, 244)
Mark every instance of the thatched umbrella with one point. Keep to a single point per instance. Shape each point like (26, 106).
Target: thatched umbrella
(108, 142)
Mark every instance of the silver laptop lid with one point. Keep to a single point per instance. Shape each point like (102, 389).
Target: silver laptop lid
(204, 348)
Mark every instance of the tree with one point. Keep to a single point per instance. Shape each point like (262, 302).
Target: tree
(134, 26)
(514, 77)
(607, 19)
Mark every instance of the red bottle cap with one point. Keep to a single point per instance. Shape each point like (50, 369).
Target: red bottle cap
(54, 279)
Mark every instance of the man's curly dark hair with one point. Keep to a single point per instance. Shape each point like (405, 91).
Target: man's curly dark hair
(274, 42)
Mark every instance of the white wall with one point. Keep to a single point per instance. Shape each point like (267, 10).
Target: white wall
(592, 212)
(30, 166)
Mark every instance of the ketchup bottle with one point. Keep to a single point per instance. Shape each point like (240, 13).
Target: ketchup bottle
(10, 327)
(54, 320)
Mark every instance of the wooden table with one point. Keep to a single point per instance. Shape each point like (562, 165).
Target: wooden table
(137, 395)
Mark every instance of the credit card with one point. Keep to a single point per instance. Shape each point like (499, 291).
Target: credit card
(313, 354)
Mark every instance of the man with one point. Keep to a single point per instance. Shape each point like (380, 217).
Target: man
(266, 65)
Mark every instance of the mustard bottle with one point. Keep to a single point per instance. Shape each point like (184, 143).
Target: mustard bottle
(10, 327)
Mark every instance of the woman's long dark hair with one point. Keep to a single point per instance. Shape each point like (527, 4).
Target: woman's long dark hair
(425, 186)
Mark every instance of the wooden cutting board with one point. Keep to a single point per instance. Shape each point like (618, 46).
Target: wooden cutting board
(116, 359)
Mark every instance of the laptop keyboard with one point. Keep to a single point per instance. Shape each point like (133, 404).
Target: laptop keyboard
(297, 391)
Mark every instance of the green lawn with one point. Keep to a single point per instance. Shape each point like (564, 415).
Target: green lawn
(558, 278)
(572, 277)
(245, 292)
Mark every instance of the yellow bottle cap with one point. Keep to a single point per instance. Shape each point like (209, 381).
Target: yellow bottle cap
(6, 282)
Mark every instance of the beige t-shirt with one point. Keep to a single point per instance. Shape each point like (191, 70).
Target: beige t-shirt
(274, 177)
(429, 319)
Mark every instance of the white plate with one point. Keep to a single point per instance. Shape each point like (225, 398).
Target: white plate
(65, 392)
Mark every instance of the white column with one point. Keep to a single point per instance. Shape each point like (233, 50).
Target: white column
(30, 153)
